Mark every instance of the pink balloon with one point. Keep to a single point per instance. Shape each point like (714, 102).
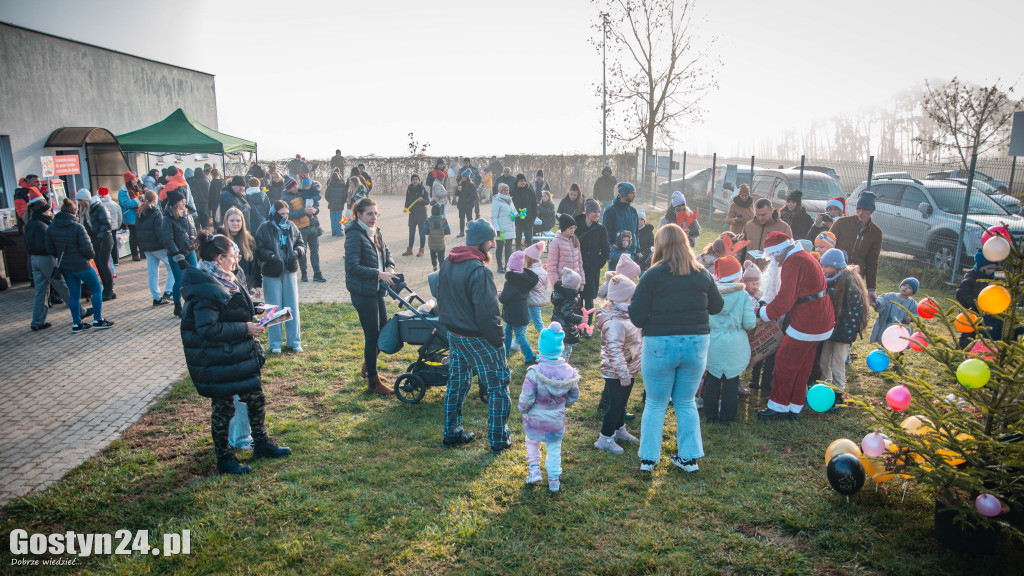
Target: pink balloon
(995, 231)
(896, 338)
(988, 505)
(898, 397)
(873, 445)
(979, 348)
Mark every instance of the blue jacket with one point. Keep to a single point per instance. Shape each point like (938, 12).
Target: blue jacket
(128, 206)
(729, 350)
(622, 216)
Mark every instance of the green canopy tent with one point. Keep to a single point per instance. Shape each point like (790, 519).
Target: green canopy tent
(179, 133)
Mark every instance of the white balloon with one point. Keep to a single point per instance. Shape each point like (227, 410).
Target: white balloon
(996, 249)
(896, 338)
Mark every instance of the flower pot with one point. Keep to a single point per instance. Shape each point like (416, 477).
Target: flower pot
(960, 538)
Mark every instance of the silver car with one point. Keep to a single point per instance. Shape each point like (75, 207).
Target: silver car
(922, 218)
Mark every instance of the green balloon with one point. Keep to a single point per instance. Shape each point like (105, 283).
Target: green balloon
(820, 397)
(973, 373)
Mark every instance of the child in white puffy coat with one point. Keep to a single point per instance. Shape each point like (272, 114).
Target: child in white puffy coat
(621, 345)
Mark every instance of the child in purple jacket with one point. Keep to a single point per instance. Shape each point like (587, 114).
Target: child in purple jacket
(550, 387)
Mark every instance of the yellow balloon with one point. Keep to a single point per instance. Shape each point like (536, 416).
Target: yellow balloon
(915, 425)
(994, 300)
(952, 457)
(842, 446)
(874, 468)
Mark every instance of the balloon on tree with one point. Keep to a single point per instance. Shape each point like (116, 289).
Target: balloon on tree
(927, 308)
(873, 445)
(877, 360)
(988, 505)
(966, 322)
(918, 342)
(996, 249)
(994, 300)
(995, 231)
(973, 373)
(896, 338)
(898, 397)
(845, 474)
(820, 397)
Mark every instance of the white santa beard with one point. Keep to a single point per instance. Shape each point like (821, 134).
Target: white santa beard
(771, 280)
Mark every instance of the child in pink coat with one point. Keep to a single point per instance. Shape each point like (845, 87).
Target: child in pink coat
(564, 251)
(549, 388)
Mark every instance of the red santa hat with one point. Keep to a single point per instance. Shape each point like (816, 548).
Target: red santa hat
(777, 243)
(128, 177)
(837, 202)
(103, 192)
(728, 269)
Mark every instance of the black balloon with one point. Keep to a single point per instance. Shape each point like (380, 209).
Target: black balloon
(845, 473)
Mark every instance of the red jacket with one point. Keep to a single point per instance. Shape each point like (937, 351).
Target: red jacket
(801, 277)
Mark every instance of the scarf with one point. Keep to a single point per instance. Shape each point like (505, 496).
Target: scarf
(225, 278)
(741, 203)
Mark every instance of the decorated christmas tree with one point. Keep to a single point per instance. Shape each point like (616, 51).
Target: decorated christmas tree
(952, 420)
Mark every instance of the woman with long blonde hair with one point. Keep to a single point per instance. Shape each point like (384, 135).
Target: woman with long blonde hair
(149, 230)
(235, 229)
(671, 306)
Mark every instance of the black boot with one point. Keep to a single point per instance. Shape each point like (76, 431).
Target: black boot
(231, 465)
(177, 309)
(712, 395)
(267, 449)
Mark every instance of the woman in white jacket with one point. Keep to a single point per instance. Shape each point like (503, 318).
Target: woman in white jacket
(501, 218)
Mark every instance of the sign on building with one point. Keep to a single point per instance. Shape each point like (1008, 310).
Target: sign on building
(59, 165)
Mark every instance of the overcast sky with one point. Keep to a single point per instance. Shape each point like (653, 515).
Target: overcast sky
(474, 78)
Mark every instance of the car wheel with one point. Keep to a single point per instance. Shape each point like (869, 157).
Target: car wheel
(943, 252)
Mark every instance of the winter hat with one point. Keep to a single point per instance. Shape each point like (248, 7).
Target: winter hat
(34, 195)
(515, 261)
(565, 222)
(307, 182)
(641, 214)
(807, 244)
(826, 238)
(414, 177)
(520, 177)
(290, 183)
(836, 203)
(728, 269)
(591, 205)
(751, 271)
(912, 282)
(189, 173)
(550, 346)
(620, 288)
(607, 169)
(128, 177)
(534, 251)
(570, 279)
(866, 201)
(478, 232)
(466, 174)
(777, 243)
(678, 199)
(237, 181)
(174, 196)
(795, 196)
(624, 189)
(435, 210)
(835, 258)
(172, 170)
(84, 195)
(540, 173)
(103, 192)
(627, 267)
(980, 261)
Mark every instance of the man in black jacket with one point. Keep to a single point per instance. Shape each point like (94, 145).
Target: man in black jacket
(467, 301)
(524, 199)
(604, 187)
(41, 261)
(200, 186)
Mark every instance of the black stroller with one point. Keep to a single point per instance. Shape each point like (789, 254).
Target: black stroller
(410, 326)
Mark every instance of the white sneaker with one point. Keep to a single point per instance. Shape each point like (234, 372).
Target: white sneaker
(275, 350)
(607, 443)
(623, 435)
(699, 402)
(647, 465)
(533, 474)
(686, 465)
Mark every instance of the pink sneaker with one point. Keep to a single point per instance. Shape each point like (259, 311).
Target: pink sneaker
(554, 484)
(533, 474)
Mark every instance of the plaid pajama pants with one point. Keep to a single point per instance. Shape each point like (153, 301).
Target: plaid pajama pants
(476, 356)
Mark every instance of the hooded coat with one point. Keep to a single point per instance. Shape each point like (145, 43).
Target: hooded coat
(622, 216)
(567, 311)
(539, 293)
(604, 188)
(729, 349)
(150, 230)
(66, 236)
(501, 217)
(179, 234)
(594, 251)
(514, 296)
(259, 203)
(799, 220)
(276, 256)
(549, 388)
(222, 358)
(564, 253)
(229, 199)
(417, 209)
(621, 343)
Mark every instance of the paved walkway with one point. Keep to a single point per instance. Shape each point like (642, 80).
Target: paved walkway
(67, 396)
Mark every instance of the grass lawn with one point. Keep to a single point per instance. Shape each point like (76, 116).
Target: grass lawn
(369, 489)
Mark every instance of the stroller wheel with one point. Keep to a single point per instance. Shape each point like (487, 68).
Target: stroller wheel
(410, 388)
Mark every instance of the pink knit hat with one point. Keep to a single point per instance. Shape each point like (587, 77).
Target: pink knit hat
(515, 261)
(570, 279)
(751, 271)
(534, 251)
(620, 288)
(627, 267)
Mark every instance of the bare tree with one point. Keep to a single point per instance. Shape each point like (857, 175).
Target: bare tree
(657, 75)
(971, 119)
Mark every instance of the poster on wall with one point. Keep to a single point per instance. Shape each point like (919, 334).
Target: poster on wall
(59, 165)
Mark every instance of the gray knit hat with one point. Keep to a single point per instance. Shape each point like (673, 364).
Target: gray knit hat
(478, 232)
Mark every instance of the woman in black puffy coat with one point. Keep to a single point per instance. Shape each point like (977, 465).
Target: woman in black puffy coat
(278, 248)
(368, 262)
(221, 351)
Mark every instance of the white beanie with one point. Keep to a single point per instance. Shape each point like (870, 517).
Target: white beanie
(84, 195)
(678, 199)
(641, 214)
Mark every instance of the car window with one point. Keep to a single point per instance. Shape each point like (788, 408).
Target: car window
(822, 189)
(912, 198)
(780, 190)
(888, 194)
(762, 186)
(951, 201)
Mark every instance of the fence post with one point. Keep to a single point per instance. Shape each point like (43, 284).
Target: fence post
(671, 154)
(802, 159)
(711, 197)
(1013, 168)
(751, 175)
(963, 218)
(871, 170)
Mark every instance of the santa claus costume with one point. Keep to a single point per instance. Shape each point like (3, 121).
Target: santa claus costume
(799, 292)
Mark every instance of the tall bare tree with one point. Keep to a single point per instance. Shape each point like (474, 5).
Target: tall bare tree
(971, 119)
(658, 73)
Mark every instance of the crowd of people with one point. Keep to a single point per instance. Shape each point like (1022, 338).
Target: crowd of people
(678, 317)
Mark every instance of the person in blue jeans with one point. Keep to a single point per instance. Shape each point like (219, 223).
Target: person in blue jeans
(515, 311)
(671, 306)
(278, 247)
(67, 240)
(179, 240)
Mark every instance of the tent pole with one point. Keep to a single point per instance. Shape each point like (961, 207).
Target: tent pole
(223, 170)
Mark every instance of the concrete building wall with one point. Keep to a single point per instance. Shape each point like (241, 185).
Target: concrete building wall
(50, 82)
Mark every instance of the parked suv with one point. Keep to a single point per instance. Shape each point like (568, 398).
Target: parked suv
(922, 218)
(823, 169)
(1009, 203)
(776, 185)
(999, 185)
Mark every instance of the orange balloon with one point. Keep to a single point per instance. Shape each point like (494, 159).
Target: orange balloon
(966, 324)
(874, 468)
(842, 446)
(994, 300)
